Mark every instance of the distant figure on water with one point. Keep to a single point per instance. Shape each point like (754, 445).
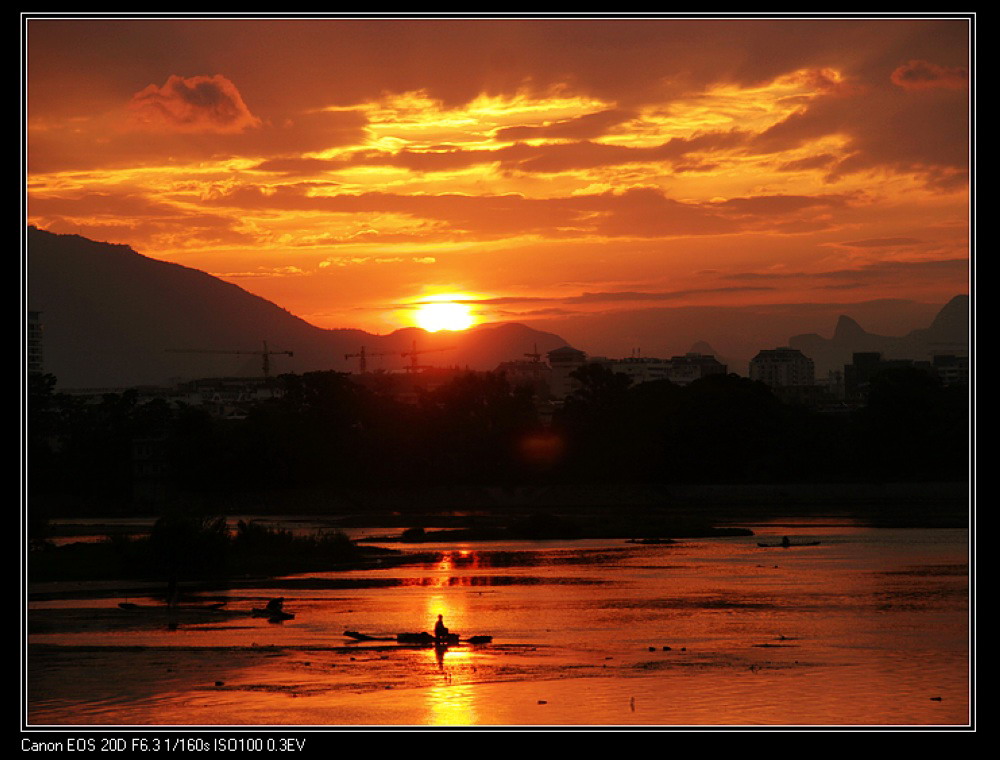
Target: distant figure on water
(440, 629)
(173, 595)
(275, 605)
(785, 542)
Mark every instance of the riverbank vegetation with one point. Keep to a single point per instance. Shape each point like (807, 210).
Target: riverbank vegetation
(184, 547)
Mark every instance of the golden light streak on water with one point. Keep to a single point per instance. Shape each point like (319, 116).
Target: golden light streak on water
(870, 627)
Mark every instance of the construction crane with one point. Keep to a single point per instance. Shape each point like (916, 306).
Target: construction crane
(362, 357)
(414, 353)
(266, 354)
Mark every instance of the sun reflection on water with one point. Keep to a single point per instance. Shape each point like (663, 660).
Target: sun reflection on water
(447, 702)
(450, 702)
(449, 705)
(868, 626)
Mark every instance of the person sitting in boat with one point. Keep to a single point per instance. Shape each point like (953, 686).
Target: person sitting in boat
(440, 629)
(275, 605)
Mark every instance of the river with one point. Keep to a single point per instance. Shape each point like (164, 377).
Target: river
(870, 627)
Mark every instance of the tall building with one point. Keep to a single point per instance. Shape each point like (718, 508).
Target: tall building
(783, 368)
(858, 374)
(34, 336)
(952, 369)
(638, 369)
(693, 366)
(564, 362)
(680, 370)
(864, 367)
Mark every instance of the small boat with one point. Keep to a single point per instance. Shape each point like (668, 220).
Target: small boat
(362, 636)
(167, 608)
(651, 541)
(789, 546)
(272, 615)
(423, 639)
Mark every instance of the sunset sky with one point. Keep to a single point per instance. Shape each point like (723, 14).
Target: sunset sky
(540, 169)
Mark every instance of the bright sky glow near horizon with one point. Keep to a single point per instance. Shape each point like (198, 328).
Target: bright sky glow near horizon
(541, 168)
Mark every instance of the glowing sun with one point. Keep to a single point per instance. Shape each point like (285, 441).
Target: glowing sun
(444, 315)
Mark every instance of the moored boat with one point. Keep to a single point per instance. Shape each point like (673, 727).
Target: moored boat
(271, 614)
(651, 541)
(421, 639)
(215, 606)
(426, 639)
(789, 546)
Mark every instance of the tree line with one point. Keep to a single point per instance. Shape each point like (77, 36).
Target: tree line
(325, 431)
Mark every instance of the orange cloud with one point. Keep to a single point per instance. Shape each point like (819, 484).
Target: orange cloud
(922, 75)
(636, 212)
(882, 131)
(193, 104)
(820, 161)
(581, 127)
(626, 156)
(522, 157)
(882, 242)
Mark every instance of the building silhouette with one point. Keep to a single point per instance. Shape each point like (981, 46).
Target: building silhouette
(951, 369)
(948, 368)
(34, 343)
(564, 362)
(783, 368)
(680, 370)
(536, 375)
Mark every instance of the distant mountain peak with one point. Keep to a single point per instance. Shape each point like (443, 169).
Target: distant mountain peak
(847, 329)
(953, 313)
(949, 332)
(704, 348)
(116, 318)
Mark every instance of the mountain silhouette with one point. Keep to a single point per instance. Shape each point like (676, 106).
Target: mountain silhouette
(948, 333)
(114, 318)
(847, 329)
(705, 349)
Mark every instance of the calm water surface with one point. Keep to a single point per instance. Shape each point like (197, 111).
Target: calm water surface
(868, 628)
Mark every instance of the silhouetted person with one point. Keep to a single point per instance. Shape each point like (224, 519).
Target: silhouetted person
(172, 593)
(785, 542)
(440, 630)
(275, 605)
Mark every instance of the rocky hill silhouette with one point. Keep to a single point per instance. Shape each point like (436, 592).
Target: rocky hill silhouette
(114, 318)
(947, 334)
